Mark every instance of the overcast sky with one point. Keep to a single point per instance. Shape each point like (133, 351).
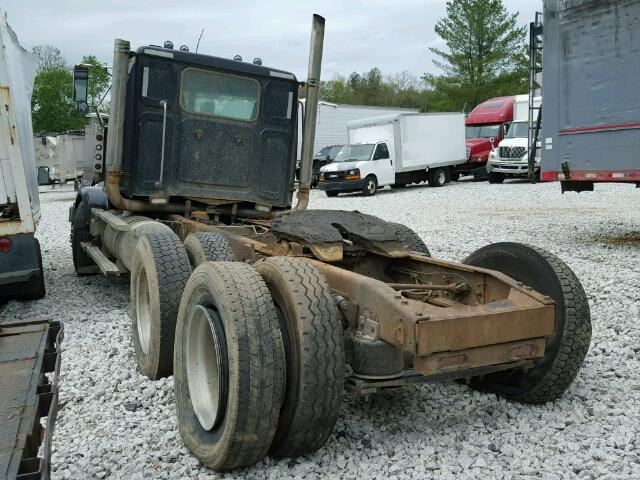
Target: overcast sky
(393, 35)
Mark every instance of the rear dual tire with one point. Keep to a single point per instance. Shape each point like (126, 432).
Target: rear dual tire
(158, 276)
(437, 177)
(229, 305)
(279, 386)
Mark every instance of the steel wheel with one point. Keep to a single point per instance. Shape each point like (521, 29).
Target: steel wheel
(437, 177)
(371, 186)
(206, 366)
(143, 311)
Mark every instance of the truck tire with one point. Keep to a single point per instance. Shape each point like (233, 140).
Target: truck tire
(159, 274)
(204, 247)
(495, 177)
(228, 414)
(331, 194)
(314, 354)
(410, 239)
(437, 177)
(566, 349)
(370, 186)
(82, 263)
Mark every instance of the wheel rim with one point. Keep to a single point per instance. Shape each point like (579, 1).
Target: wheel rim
(371, 186)
(205, 364)
(441, 178)
(143, 311)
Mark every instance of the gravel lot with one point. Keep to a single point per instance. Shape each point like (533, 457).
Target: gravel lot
(113, 423)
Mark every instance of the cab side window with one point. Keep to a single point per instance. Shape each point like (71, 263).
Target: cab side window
(382, 152)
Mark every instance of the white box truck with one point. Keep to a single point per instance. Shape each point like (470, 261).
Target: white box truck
(511, 158)
(331, 129)
(20, 258)
(396, 150)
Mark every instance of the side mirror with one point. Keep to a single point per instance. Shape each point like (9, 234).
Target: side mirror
(492, 141)
(44, 176)
(328, 158)
(81, 88)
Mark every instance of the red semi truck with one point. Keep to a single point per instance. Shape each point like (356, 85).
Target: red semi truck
(486, 125)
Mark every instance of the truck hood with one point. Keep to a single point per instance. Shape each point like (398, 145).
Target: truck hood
(478, 146)
(340, 166)
(514, 142)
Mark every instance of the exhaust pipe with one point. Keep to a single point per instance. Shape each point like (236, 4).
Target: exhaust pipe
(115, 139)
(310, 111)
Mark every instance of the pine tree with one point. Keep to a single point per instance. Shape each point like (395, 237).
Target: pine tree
(485, 56)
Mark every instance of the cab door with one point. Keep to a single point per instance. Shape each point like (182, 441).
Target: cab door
(382, 164)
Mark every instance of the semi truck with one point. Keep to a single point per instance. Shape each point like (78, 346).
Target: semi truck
(591, 69)
(396, 150)
(510, 159)
(95, 132)
(486, 125)
(255, 303)
(21, 274)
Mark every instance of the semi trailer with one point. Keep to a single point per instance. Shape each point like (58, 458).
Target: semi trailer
(59, 157)
(255, 303)
(590, 128)
(21, 274)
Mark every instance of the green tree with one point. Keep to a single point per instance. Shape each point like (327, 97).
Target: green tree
(485, 56)
(98, 81)
(52, 108)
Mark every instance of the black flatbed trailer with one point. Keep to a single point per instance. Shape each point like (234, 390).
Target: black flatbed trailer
(29, 369)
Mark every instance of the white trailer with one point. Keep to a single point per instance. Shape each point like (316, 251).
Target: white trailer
(397, 150)
(59, 157)
(20, 259)
(332, 120)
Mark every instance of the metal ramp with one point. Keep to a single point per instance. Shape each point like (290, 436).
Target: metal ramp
(535, 89)
(29, 368)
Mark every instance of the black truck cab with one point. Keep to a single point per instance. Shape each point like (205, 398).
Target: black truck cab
(203, 127)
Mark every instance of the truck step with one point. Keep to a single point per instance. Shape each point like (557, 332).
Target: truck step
(116, 222)
(105, 265)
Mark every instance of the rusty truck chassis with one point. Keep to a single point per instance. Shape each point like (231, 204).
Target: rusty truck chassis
(453, 321)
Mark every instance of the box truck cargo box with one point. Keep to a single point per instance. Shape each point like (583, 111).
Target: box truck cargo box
(397, 150)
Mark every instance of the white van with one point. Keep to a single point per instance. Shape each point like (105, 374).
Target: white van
(396, 150)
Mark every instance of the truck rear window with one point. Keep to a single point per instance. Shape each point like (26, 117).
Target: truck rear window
(219, 95)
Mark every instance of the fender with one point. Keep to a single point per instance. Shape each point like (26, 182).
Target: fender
(90, 197)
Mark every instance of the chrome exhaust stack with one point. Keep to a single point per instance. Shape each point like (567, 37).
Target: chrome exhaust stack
(311, 110)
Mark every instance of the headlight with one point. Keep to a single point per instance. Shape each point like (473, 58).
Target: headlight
(353, 174)
(492, 154)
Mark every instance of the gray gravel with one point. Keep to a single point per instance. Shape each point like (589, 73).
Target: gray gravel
(113, 423)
